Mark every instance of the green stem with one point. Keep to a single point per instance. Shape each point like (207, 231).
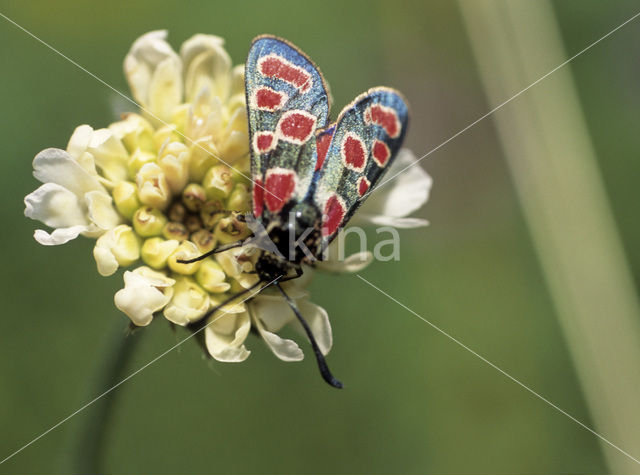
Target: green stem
(111, 372)
(553, 162)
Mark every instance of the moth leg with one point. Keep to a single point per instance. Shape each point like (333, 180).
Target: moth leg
(226, 247)
(322, 363)
(298, 269)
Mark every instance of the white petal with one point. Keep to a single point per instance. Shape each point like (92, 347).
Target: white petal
(145, 292)
(118, 246)
(153, 188)
(79, 141)
(268, 317)
(105, 260)
(237, 80)
(284, 349)
(354, 263)
(401, 196)
(55, 206)
(198, 44)
(173, 159)
(318, 321)
(274, 313)
(165, 89)
(59, 236)
(77, 148)
(188, 304)
(147, 80)
(225, 335)
(393, 221)
(101, 210)
(207, 66)
(109, 154)
(57, 166)
(294, 288)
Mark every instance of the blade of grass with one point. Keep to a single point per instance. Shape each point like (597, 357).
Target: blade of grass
(553, 165)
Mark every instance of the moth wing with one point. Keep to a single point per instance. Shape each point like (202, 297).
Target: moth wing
(355, 152)
(287, 102)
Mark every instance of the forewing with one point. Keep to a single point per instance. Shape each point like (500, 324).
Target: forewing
(359, 149)
(287, 102)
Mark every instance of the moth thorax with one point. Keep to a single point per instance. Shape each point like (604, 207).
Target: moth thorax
(299, 234)
(270, 267)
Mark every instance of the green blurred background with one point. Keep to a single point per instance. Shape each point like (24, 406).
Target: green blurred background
(414, 401)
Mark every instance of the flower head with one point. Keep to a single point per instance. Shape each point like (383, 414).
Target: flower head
(166, 185)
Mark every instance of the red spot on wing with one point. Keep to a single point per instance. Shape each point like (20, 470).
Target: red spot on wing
(266, 98)
(385, 117)
(380, 153)
(353, 152)
(334, 211)
(258, 197)
(296, 126)
(264, 142)
(363, 185)
(322, 147)
(275, 66)
(279, 184)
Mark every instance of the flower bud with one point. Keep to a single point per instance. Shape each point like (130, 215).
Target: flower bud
(135, 132)
(237, 263)
(153, 188)
(148, 221)
(194, 197)
(212, 211)
(240, 199)
(225, 333)
(177, 231)
(192, 223)
(230, 230)
(211, 276)
(217, 182)
(203, 157)
(189, 303)
(119, 246)
(185, 251)
(234, 146)
(204, 241)
(241, 171)
(173, 158)
(179, 117)
(145, 292)
(109, 154)
(125, 196)
(164, 135)
(138, 158)
(177, 212)
(236, 287)
(155, 251)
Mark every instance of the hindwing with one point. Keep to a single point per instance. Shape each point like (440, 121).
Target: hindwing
(355, 152)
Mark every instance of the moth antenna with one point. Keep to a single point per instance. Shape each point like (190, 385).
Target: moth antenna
(322, 363)
(226, 247)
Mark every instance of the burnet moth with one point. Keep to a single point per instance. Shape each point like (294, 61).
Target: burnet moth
(309, 176)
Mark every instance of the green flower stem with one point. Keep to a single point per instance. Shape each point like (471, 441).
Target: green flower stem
(111, 372)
